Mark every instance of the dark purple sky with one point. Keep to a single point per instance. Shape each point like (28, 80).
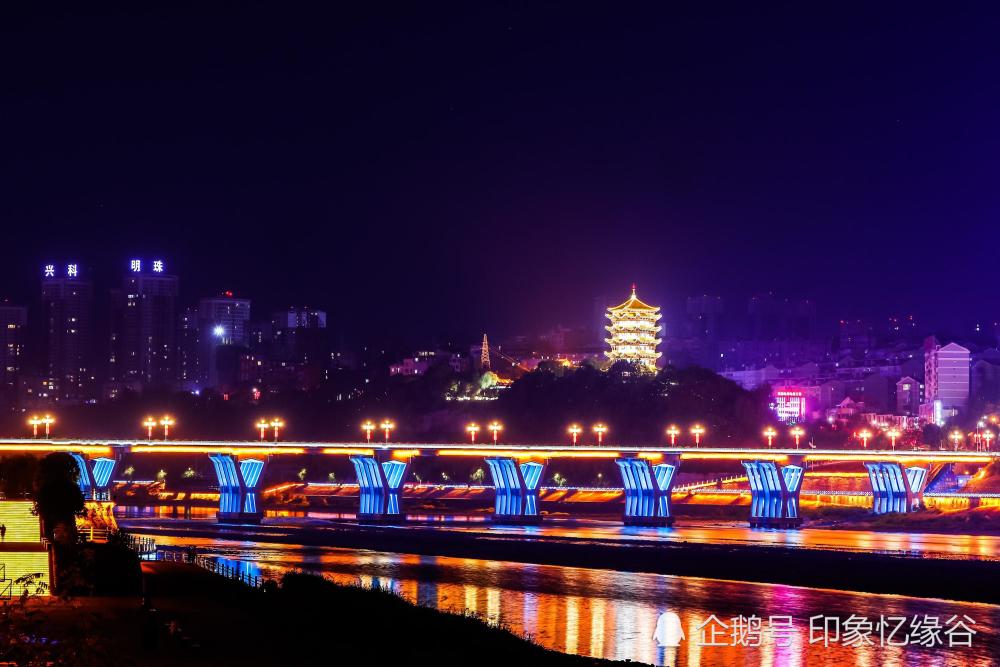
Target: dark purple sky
(483, 166)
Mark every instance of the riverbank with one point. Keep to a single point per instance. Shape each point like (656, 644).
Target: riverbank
(194, 617)
(898, 573)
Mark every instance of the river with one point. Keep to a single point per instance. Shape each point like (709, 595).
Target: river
(611, 614)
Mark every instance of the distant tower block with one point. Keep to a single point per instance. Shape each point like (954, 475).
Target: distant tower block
(633, 332)
(484, 356)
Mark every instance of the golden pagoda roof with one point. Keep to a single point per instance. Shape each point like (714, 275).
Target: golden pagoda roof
(634, 303)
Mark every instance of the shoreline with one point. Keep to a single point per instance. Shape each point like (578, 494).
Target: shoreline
(858, 571)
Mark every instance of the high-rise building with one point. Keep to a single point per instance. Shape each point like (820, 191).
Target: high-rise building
(13, 320)
(67, 304)
(144, 327)
(704, 317)
(189, 371)
(908, 396)
(633, 332)
(299, 335)
(774, 318)
(946, 379)
(222, 321)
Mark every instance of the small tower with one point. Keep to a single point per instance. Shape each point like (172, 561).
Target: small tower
(633, 332)
(484, 356)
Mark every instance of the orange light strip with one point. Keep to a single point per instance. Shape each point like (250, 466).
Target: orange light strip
(521, 454)
(405, 453)
(218, 449)
(68, 447)
(745, 456)
(935, 458)
(346, 451)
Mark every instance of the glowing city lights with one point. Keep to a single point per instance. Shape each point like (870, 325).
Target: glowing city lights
(600, 430)
(770, 434)
(575, 431)
(263, 425)
(797, 432)
(150, 423)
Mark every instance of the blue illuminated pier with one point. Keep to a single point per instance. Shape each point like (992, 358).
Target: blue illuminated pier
(239, 500)
(515, 490)
(381, 485)
(647, 491)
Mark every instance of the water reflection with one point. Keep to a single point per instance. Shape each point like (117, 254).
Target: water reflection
(612, 614)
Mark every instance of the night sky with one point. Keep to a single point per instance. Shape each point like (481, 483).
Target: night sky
(440, 170)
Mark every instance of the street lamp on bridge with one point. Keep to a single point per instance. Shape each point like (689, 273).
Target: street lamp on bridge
(387, 427)
(697, 431)
(495, 427)
(672, 433)
(770, 433)
(956, 437)
(276, 424)
(472, 429)
(368, 427)
(575, 431)
(166, 422)
(988, 436)
(263, 425)
(797, 433)
(150, 423)
(865, 436)
(35, 421)
(892, 433)
(600, 430)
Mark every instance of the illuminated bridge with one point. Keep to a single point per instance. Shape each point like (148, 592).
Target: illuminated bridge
(897, 479)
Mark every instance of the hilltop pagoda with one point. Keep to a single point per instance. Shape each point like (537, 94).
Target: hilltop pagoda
(633, 332)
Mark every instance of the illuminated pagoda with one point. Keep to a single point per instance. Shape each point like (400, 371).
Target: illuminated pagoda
(633, 332)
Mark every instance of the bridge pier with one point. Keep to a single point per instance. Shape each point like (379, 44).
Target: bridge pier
(381, 486)
(647, 491)
(515, 489)
(896, 490)
(239, 500)
(95, 478)
(774, 494)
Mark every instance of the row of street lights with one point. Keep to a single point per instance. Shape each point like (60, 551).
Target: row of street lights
(575, 430)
